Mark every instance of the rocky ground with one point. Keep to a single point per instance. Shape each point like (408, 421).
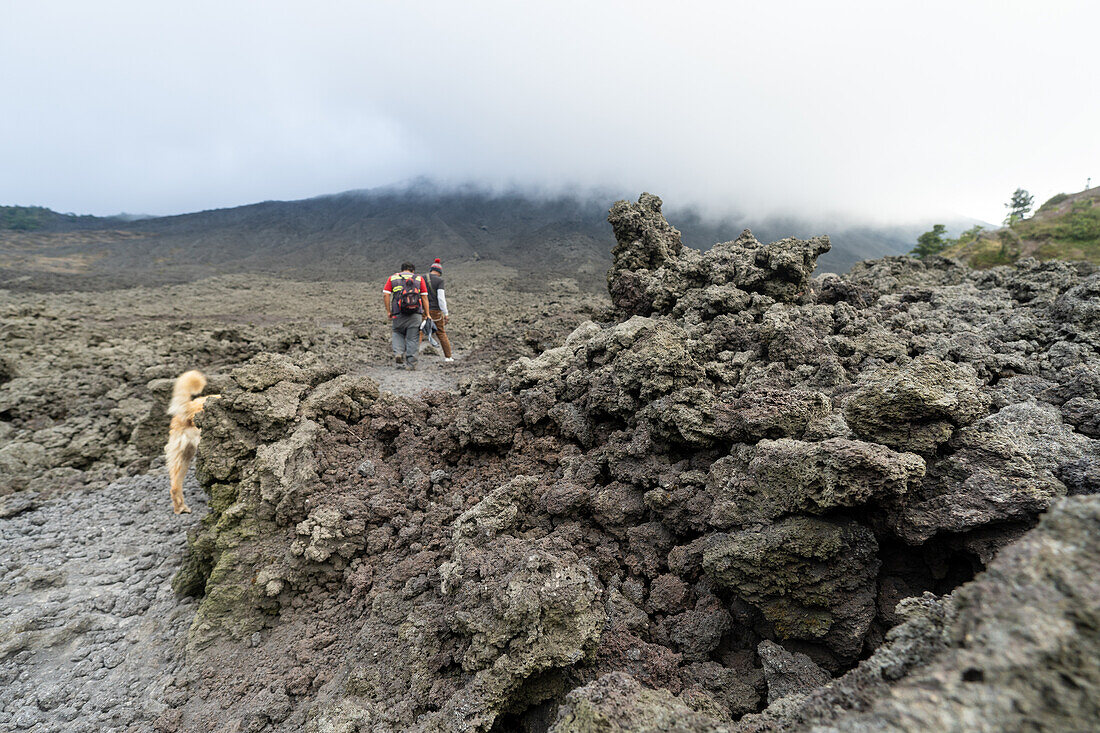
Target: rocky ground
(743, 499)
(91, 633)
(84, 376)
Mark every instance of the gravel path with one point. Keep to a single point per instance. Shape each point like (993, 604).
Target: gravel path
(431, 373)
(91, 634)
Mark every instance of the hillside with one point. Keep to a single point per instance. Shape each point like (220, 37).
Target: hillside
(355, 235)
(1066, 227)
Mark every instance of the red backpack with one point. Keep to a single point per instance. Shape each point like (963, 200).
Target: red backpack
(406, 294)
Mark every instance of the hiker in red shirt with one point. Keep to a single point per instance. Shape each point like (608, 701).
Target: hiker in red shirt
(405, 295)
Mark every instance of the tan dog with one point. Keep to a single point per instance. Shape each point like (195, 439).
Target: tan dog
(183, 436)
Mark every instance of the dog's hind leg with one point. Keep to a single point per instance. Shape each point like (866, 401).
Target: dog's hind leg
(179, 459)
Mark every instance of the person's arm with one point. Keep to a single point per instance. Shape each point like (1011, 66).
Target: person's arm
(424, 297)
(386, 299)
(442, 298)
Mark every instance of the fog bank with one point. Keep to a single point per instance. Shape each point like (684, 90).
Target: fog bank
(855, 110)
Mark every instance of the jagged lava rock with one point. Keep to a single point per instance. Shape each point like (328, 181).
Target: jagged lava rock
(917, 406)
(780, 477)
(812, 578)
(651, 270)
(616, 702)
(789, 673)
(1017, 648)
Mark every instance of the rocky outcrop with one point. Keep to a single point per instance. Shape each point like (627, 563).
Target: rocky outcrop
(1007, 467)
(528, 607)
(748, 482)
(651, 272)
(811, 578)
(780, 477)
(259, 467)
(915, 406)
(789, 673)
(616, 703)
(1014, 648)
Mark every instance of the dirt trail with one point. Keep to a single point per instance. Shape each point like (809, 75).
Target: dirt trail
(431, 373)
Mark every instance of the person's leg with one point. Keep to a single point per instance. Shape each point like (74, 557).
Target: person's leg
(412, 339)
(397, 340)
(441, 332)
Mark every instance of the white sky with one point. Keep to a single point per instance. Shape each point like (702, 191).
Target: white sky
(881, 110)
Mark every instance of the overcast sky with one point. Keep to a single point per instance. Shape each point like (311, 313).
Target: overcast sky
(878, 110)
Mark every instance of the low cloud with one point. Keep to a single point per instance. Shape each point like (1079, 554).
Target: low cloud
(869, 111)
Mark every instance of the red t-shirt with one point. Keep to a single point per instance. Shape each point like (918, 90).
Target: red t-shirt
(388, 287)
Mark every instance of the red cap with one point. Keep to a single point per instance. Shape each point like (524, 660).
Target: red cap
(437, 260)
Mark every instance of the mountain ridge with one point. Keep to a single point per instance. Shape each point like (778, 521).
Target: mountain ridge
(353, 234)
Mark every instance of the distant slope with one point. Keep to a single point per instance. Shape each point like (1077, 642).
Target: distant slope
(1066, 227)
(363, 234)
(39, 218)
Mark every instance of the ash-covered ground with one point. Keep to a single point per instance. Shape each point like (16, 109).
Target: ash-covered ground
(741, 498)
(93, 635)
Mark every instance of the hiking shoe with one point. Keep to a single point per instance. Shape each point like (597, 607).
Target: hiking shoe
(411, 367)
(400, 359)
(448, 358)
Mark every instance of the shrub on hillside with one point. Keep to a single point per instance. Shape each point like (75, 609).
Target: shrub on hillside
(23, 218)
(1080, 224)
(1053, 201)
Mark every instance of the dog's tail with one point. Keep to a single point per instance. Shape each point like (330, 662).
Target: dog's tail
(187, 384)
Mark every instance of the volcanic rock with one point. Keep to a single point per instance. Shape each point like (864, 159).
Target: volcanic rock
(618, 703)
(811, 578)
(789, 673)
(1011, 641)
(915, 407)
(651, 271)
(780, 477)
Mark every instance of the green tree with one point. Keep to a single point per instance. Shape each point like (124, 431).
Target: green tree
(1018, 206)
(931, 242)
